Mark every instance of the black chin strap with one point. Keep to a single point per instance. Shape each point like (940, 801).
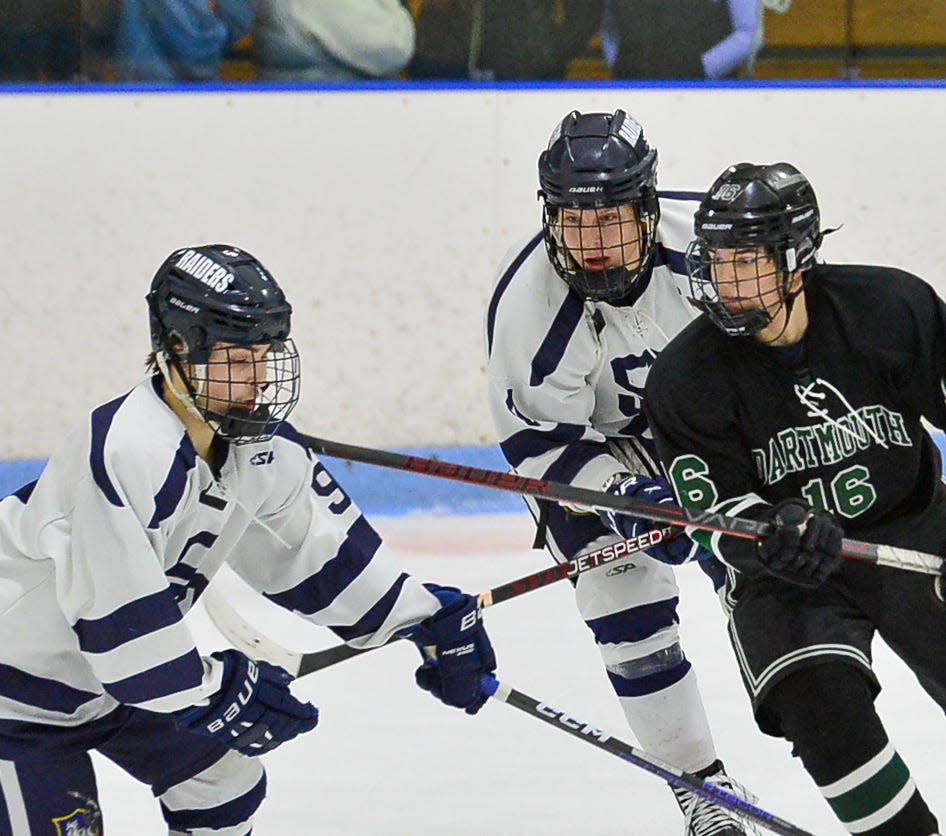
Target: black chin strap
(791, 297)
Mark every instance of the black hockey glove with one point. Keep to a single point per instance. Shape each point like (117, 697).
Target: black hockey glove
(676, 549)
(463, 650)
(804, 547)
(253, 712)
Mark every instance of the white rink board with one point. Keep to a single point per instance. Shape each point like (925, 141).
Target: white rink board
(388, 759)
(384, 214)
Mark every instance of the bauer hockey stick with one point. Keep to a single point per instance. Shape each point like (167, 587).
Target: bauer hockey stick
(298, 664)
(891, 556)
(247, 639)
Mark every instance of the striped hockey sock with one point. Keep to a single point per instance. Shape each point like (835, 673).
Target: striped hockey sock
(878, 797)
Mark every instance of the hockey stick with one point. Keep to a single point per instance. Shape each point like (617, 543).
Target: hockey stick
(300, 664)
(673, 776)
(891, 556)
(247, 639)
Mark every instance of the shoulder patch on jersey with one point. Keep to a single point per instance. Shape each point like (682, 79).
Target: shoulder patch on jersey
(83, 821)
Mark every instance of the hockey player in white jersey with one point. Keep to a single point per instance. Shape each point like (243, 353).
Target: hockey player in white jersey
(578, 315)
(104, 554)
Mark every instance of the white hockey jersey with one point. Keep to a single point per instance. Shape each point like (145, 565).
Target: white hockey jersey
(105, 553)
(567, 375)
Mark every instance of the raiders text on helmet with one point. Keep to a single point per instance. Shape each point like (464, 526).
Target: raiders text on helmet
(207, 296)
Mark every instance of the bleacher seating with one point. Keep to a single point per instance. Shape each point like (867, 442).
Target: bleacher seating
(855, 39)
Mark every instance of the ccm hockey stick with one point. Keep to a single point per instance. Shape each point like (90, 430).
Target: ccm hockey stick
(255, 644)
(892, 556)
(673, 776)
(298, 664)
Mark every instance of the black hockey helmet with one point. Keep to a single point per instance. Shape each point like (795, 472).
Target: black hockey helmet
(215, 294)
(772, 208)
(594, 161)
(205, 296)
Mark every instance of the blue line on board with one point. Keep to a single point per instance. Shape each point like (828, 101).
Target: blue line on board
(452, 85)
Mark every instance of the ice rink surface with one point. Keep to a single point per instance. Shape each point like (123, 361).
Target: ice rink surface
(389, 760)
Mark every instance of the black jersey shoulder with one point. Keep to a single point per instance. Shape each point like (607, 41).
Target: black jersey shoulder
(693, 370)
(874, 307)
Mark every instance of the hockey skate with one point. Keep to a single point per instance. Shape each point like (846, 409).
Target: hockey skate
(703, 818)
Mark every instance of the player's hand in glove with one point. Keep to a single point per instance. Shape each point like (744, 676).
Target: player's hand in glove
(462, 650)
(804, 546)
(675, 549)
(253, 712)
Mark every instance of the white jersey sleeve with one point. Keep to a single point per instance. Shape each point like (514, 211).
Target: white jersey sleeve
(566, 376)
(313, 552)
(103, 556)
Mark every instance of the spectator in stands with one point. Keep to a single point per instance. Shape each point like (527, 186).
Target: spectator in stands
(178, 40)
(98, 44)
(501, 39)
(332, 40)
(39, 40)
(681, 39)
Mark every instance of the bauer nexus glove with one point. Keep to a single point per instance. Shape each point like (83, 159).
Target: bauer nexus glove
(804, 547)
(677, 548)
(462, 649)
(253, 712)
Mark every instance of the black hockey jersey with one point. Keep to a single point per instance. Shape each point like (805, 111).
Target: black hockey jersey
(739, 428)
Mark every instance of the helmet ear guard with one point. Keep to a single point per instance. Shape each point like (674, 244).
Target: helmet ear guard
(206, 302)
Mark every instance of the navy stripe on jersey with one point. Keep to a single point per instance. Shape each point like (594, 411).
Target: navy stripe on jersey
(202, 538)
(501, 286)
(661, 195)
(526, 444)
(372, 620)
(129, 622)
(643, 281)
(170, 677)
(574, 457)
(573, 533)
(101, 422)
(634, 624)
(183, 576)
(229, 814)
(170, 493)
(24, 493)
(553, 346)
(677, 261)
(319, 590)
(290, 433)
(5, 825)
(38, 691)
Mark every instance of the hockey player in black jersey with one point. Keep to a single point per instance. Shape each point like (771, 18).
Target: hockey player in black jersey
(796, 398)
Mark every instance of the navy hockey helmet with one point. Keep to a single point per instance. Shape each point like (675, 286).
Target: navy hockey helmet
(597, 161)
(204, 303)
(771, 209)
